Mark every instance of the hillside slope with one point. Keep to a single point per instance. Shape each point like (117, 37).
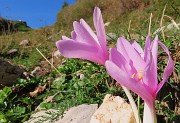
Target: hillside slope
(118, 12)
(12, 25)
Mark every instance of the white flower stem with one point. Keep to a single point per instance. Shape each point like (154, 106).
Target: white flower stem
(139, 108)
(149, 115)
(132, 103)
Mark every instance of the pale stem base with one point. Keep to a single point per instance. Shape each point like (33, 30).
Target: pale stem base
(149, 115)
(132, 103)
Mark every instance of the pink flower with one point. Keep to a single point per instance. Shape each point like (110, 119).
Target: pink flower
(85, 44)
(137, 69)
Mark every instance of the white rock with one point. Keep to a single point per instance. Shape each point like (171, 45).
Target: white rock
(110, 36)
(107, 23)
(113, 110)
(57, 53)
(24, 42)
(41, 116)
(12, 51)
(79, 114)
(36, 70)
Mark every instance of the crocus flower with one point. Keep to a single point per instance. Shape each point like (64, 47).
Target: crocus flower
(137, 70)
(85, 44)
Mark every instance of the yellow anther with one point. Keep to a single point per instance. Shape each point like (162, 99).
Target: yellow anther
(133, 76)
(140, 71)
(140, 77)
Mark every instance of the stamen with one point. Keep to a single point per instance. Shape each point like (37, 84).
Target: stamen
(140, 71)
(140, 77)
(133, 75)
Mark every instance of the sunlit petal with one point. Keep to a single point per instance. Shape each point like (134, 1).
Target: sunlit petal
(124, 79)
(138, 48)
(147, 47)
(117, 58)
(83, 35)
(148, 75)
(169, 68)
(100, 30)
(73, 49)
(87, 27)
(130, 54)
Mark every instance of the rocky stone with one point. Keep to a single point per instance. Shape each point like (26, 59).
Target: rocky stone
(78, 114)
(107, 23)
(113, 110)
(9, 73)
(57, 54)
(24, 42)
(56, 60)
(12, 51)
(111, 36)
(36, 70)
(43, 115)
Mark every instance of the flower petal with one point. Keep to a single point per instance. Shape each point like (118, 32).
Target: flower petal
(73, 49)
(100, 30)
(117, 58)
(123, 78)
(154, 50)
(147, 47)
(130, 54)
(138, 48)
(87, 27)
(73, 35)
(83, 35)
(149, 78)
(65, 38)
(169, 68)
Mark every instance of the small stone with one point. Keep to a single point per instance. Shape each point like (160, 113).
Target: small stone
(9, 73)
(79, 114)
(24, 42)
(113, 110)
(12, 51)
(110, 36)
(57, 53)
(40, 116)
(36, 70)
(107, 23)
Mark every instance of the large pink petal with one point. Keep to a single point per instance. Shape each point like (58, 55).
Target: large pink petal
(154, 49)
(83, 35)
(100, 30)
(149, 75)
(91, 32)
(65, 38)
(138, 48)
(128, 51)
(123, 78)
(117, 58)
(147, 47)
(73, 49)
(73, 35)
(169, 68)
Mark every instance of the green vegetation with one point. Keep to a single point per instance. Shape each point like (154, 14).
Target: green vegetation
(9, 26)
(80, 81)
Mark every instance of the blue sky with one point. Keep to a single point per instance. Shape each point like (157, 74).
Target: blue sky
(37, 13)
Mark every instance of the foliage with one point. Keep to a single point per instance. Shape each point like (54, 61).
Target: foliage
(9, 26)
